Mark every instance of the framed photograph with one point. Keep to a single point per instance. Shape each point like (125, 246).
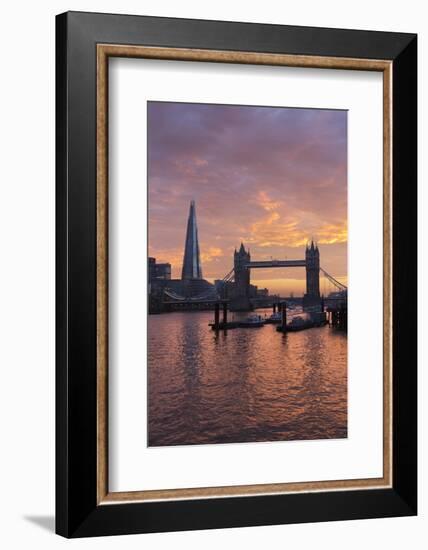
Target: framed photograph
(236, 274)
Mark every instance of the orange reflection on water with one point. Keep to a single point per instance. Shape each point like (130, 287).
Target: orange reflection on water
(245, 385)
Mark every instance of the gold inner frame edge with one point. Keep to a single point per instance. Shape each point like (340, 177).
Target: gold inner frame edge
(104, 51)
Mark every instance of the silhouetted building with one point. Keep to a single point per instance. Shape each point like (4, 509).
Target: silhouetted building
(312, 258)
(242, 274)
(158, 271)
(242, 288)
(191, 261)
(262, 292)
(191, 287)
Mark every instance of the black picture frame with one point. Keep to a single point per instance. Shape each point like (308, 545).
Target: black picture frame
(77, 512)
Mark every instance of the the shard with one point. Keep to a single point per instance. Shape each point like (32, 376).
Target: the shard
(191, 261)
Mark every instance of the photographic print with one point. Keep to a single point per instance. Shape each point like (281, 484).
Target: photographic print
(247, 274)
(209, 230)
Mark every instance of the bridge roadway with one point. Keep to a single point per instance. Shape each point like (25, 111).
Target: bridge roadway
(276, 263)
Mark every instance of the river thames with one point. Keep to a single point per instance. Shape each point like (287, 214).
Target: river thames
(243, 385)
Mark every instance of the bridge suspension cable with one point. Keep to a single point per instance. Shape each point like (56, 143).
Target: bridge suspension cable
(230, 276)
(334, 281)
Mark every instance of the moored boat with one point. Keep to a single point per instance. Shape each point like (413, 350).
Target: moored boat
(274, 319)
(252, 321)
(299, 323)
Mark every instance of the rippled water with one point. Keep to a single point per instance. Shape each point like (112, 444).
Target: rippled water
(245, 385)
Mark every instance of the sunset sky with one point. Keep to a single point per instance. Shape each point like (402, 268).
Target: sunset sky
(270, 177)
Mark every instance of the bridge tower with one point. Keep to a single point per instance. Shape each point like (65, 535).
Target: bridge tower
(241, 299)
(312, 258)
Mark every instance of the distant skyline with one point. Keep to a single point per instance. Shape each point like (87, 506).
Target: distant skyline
(270, 177)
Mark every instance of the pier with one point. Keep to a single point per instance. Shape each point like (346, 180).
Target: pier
(224, 324)
(313, 318)
(338, 316)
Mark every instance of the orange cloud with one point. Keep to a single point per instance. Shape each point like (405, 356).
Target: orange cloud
(333, 233)
(173, 256)
(272, 231)
(211, 253)
(266, 202)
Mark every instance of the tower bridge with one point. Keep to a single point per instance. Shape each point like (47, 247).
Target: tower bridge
(242, 266)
